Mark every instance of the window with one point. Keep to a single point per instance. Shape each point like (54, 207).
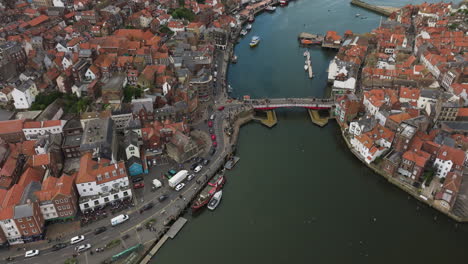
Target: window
(116, 196)
(20, 220)
(66, 200)
(91, 189)
(121, 171)
(68, 206)
(125, 193)
(99, 177)
(96, 202)
(23, 226)
(131, 148)
(106, 199)
(86, 205)
(28, 218)
(114, 173)
(84, 190)
(61, 200)
(89, 183)
(34, 231)
(59, 207)
(26, 232)
(31, 224)
(106, 175)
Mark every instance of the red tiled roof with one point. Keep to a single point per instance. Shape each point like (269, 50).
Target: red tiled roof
(38, 20)
(457, 156)
(420, 158)
(11, 126)
(90, 169)
(41, 159)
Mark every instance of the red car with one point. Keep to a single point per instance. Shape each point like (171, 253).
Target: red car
(138, 185)
(221, 108)
(215, 143)
(210, 123)
(213, 137)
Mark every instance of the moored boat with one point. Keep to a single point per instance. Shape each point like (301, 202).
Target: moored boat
(214, 185)
(254, 42)
(251, 19)
(243, 32)
(214, 202)
(270, 8)
(283, 2)
(248, 27)
(234, 59)
(306, 67)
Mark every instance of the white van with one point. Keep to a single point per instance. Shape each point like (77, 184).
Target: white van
(212, 117)
(119, 219)
(31, 253)
(76, 239)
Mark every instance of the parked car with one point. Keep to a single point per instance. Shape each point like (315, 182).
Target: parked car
(137, 179)
(215, 144)
(31, 253)
(213, 137)
(76, 239)
(58, 246)
(198, 168)
(100, 230)
(199, 159)
(221, 108)
(190, 177)
(194, 165)
(212, 151)
(162, 197)
(138, 185)
(210, 123)
(146, 207)
(212, 117)
(82, 248)
(172, 172)
(180, 186)
(205, 162)
(211, 131)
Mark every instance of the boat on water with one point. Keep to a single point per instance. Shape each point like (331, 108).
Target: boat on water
(283, 2)
(213, 186)
(358, 15)
(234, 59)
(306, 67)
(270, 8)
(251, 19)
(229, 89)
(243, 32)
(306, 53)
(214, 202)
(254, 42)
(248, 27)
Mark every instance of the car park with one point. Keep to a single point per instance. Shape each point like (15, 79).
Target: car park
(76, 239)
(58, 246)
(180, 186)
(137, 179)
(162, 197)
(190, 177)
(31, 253)
(138, 185)
(100, 230)
(146, 207)
(198, 168)
(82, 248)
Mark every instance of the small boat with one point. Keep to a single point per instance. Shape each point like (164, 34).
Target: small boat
(283, 2)
(214, 202)
(243, 32)
(270, 8)
(229, 89)
(363, 17)
(306, 67)
(358, 15)
(234, 59)
(248, 27)
(306, 53)
(254, 42)
(251, 19)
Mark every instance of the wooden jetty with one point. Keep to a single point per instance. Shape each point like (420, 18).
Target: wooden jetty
(309, 66)
(231, 163)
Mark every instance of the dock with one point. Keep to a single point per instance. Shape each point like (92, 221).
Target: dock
(309, 66)
(310, 39)
(175, 228)
(231, 163)
(383, 10)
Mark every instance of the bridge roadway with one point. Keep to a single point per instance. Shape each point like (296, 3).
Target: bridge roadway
(309, 103)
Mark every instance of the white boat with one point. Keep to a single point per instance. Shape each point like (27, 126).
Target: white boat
(358, 15)
(214, 202)
(270, 8)
(306, 53)
(243, 32)
(254, 42)
(306, 67)
(248, 27)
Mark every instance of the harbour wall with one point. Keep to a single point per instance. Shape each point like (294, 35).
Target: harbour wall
(386, 11)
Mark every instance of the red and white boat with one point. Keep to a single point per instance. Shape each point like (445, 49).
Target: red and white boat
(283, 2)
(213, 186)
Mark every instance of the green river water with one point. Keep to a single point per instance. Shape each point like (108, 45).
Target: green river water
(298, 195)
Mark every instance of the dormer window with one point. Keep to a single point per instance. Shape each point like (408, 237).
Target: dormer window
(99, 177)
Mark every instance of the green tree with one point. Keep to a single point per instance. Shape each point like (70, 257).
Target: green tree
(183, 13)
(45, 99)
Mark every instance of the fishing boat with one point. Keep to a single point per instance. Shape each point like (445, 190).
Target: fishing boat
(270, 8)
(254, 42)
(213, 186)
(214, 202)
(306, 67)
(243, 32)
(248, 27)
(283, 2)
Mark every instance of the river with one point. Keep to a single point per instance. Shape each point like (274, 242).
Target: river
(298, 195)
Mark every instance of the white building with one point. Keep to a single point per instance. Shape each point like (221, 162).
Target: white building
(449, 159)
(24, 95)
(11, 231)
(366, 148)
(32, 129)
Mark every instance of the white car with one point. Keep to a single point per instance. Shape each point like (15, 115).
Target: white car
(190, 177)
(180, 186)
(198, 168)
(82, 248)
(31, 253)
(76, 239)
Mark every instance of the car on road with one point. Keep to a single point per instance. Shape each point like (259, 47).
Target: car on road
(137, 179)
(76, 239)
(193, 166)
(215, 144)
(180, 186)
(212, 151)
(199, 159)
(190, 177)
(82, 248)
(162, 197)
(146, 207)
(210, 123)
(221, 108)
(31, 253)
(213, 137)
(58, 246)
(212, 117)
(205, 162)
(198, 168)
(100, 230)
(138, 185)
(211, 131)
